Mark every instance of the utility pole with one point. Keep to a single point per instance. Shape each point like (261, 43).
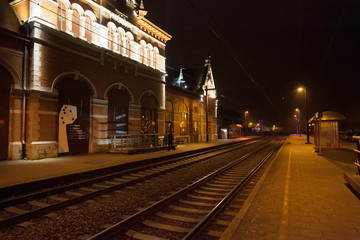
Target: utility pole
(207, 115)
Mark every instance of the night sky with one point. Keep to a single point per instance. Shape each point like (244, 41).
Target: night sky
(262, 50)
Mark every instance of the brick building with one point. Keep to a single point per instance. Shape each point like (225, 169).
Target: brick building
(190, 108)
(75, 73)
(90, 68)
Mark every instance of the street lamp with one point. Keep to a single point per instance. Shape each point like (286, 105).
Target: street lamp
(298, 120)
(246, 119)
(301, 89)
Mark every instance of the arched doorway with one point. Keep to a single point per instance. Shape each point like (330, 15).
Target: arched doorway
(5, 86)
(118, 112)
(74, 128)
(149, 123)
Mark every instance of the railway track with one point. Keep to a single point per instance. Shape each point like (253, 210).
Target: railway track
(24, 207)
(187, 213)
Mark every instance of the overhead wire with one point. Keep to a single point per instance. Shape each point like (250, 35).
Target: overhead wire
(231, 50)
(326, 54)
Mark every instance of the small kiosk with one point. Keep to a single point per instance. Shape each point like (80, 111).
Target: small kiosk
(326, 130)
(235, 131)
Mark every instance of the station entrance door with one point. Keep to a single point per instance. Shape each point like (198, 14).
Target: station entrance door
(74, 94)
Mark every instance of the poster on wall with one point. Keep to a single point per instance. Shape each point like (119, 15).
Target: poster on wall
(67, 115)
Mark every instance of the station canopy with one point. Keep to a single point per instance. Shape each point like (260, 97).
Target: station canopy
(329, 116)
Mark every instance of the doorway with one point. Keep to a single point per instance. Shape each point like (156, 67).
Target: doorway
(76, 93)
(5, 86)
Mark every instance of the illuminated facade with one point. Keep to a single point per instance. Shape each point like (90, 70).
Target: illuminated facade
(187, 104)
(92, 67)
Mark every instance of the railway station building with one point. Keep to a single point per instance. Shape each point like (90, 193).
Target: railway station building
(75, 73)
(191, 104)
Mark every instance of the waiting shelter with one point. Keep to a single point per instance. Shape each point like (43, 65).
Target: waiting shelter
(326, 130)
(235, 131)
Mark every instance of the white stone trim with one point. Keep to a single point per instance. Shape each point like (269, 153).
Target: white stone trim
(44, 142)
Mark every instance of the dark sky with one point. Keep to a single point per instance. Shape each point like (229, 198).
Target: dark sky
(278, 44)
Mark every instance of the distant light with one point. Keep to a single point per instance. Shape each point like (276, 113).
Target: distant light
(300, 89)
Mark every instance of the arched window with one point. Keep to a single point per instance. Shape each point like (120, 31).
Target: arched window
(61, 16)
(156, 53)
(195, 120)
(111, 38)
(76, 23)
(184, 118)
(150, 54)
(142, 51)
(118, 111)
(120, 42)
(129, 39)
(88, 29)
(149, 124)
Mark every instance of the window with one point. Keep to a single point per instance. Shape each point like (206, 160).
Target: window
(61, 19)
(195, 121)
(111, 38)
(88, 29)
(143, 51)
(118, 112)
(184, 118)
(149, 123)
(119, 42)
(76, 23)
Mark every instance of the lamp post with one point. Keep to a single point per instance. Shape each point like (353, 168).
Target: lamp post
(246, 119)
(301, 89)
(298, 120)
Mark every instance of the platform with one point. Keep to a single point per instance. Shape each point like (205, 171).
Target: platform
(303, 195)
(14, 172)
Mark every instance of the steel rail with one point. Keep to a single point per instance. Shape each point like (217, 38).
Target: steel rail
(197, 230)
(126, 223)
(86, 196)
(66, 187)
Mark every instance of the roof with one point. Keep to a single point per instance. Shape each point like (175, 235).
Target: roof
(189, 79)
(330, 116)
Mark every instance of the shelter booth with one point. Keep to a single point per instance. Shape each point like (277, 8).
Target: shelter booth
(326, 130)
(235, 131)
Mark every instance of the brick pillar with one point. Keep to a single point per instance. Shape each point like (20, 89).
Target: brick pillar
(33, 125)
(134, 119)
(161, 122)
(99, 129)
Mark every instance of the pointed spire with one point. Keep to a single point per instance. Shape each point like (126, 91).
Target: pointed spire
(181, 77)
(142, 5)
(207, 61)
(142, 11)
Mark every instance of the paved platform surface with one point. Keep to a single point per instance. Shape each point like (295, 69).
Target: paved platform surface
(303, 195)
(14, 172)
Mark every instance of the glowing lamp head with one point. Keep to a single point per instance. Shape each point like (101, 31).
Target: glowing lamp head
(300, 89)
